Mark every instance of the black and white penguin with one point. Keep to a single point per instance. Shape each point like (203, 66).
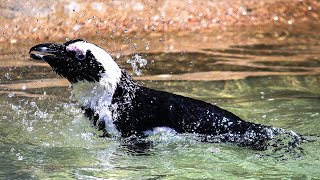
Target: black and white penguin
(121, 107)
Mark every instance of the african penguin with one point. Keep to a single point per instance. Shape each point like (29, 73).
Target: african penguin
(119, 106)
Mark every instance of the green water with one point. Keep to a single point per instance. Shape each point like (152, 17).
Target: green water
(44, 135)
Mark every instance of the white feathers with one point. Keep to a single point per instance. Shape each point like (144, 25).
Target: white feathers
(98, 95)
(160, 130)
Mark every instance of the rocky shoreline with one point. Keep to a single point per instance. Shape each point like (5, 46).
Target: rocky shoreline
(54, 20)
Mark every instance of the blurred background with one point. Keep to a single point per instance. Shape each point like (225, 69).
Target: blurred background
(40, 20)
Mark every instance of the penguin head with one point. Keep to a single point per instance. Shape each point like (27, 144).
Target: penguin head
(78, 61)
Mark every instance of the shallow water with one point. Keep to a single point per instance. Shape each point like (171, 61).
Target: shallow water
(44, 135)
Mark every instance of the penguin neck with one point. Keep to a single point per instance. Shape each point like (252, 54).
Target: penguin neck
(102, 93)
(126, 88)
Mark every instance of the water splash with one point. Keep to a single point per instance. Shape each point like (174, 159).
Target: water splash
(38, 113)
(141, 63)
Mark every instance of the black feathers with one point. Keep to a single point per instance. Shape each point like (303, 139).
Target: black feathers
(73, 41)
(74, 70)
(73, 64)
(139, 109)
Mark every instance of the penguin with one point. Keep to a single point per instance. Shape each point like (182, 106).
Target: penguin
(121, 107)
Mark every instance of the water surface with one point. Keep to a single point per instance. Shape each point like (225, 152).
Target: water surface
(44, 135)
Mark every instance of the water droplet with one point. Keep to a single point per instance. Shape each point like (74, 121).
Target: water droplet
(134, 45)
(7, 75)
(33, 104)
(45, 144)
(19, 157)
(12, 94)
(76, 27)
(29, 129)
(137, 59)
(13, 41)
(41, 114)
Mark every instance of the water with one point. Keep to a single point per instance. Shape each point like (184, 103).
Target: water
(44, 135)
(141, 63)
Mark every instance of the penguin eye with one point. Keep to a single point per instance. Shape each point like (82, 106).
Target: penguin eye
(80, 56)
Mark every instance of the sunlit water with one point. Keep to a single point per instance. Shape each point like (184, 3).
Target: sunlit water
(44, 135)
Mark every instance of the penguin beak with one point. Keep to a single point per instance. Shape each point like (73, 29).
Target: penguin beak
(47, 51)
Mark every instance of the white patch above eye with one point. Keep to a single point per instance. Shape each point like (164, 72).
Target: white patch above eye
(77, 48)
